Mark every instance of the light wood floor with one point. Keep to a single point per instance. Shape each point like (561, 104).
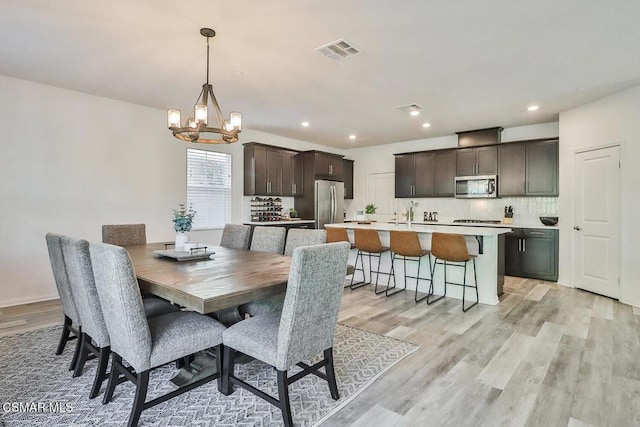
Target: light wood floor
(547, 355)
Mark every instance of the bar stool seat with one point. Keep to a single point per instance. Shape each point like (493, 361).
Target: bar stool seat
(406, 245)
(338, 234)
(451, 250)
(367, 242)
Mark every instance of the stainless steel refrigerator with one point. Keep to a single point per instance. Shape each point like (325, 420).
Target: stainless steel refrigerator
(329, 202)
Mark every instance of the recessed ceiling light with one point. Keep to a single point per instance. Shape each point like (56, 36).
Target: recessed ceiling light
(414, 113)
(305, 124)
(533, 108)
(352, 137)
(426, 125)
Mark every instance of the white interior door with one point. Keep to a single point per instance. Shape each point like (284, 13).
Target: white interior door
(597, 221)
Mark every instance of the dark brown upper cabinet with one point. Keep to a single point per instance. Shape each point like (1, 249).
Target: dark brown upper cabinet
(269, 171)
(477, 161)
(415, 174)
(528, 168)
(445, 173)
(327, 165)
(347, 167)
(542, 168)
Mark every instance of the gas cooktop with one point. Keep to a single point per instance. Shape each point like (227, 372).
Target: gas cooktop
(478, 221)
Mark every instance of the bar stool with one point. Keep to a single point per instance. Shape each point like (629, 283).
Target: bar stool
(368, 242)
(336, 234)
(406, 244)
(452, 250)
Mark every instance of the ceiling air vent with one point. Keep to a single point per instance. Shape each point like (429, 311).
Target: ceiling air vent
(339, 49)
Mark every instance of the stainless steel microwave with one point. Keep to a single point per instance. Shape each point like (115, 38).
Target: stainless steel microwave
(479, 186)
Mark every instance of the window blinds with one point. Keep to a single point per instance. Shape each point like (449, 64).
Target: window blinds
(209, 187)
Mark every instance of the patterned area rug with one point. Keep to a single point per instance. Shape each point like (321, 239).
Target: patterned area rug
(32, 376)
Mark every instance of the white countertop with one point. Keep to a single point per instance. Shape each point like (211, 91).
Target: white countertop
(282, 222)
(516, 224)
(457, 229)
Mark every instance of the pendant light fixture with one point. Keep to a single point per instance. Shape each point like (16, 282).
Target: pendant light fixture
(198, 124)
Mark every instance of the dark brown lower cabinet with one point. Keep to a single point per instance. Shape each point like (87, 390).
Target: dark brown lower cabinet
(532, 253)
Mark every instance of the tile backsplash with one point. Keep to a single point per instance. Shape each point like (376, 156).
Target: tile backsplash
(526, 209)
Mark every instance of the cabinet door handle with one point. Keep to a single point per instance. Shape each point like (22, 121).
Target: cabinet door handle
(519, 245)
(524, 245)
(330, 169)
(539, 233)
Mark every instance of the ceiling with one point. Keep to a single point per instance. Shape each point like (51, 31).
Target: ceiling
(471, 64)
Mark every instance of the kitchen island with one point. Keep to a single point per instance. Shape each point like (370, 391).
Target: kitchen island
(486, 242)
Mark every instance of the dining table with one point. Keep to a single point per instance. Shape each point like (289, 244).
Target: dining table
(223, 279)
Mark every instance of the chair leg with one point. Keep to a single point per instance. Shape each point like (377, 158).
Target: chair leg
(101, 371)
(228, 367)
(76, 352)
(464, 286)
(219, 365)
(142, 383)
(84, 342)
(331, 374)
(393, 272)
(364, 277)
(283, 394)
(66, 332)
(431, 286)
(113, 378)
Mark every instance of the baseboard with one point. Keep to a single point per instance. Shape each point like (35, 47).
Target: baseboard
(630, 301)
(29, 300)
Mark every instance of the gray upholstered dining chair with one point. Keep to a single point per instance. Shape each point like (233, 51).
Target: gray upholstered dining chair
(124, 234)
(69, 309)
(236, 236)
(144, 343)
(94, 338)
(296, 237)
(268, 239)
(305, 327)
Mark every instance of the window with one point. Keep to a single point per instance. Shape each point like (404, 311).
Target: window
(209, 187)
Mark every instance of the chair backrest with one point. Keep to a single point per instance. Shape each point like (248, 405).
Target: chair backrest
(236, 236)
(124, 234)
(303, 237)
(449, 247)
(312, 301)
(367, 240)
(268, 239)
(83, 286)
(60, 276)
(121, 304)
(405, 243)
(337, 234)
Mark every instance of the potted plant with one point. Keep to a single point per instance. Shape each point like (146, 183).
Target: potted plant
(182, 223)
(370, 209)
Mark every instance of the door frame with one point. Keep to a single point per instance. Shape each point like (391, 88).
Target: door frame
(621, 217)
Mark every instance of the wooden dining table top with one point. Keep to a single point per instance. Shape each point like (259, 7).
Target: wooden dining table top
(232, 277)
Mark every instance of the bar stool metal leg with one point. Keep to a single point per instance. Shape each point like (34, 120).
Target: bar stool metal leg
(418, 281)
(357, 285)
(431, 287)
(393, 273)
(465, 286)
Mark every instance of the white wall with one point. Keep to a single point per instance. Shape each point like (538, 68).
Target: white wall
(70, 162)
(611, 120)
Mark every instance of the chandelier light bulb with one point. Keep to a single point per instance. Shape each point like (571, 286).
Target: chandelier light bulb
(173, 118)
(236, 120)
(414, 113)
(201, 113)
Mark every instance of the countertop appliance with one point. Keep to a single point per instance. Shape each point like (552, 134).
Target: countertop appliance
(329, 203)
(477, 186)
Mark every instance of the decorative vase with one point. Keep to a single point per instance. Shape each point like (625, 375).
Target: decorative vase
(181, 239)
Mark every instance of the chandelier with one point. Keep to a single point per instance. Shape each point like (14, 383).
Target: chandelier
(197, 125)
